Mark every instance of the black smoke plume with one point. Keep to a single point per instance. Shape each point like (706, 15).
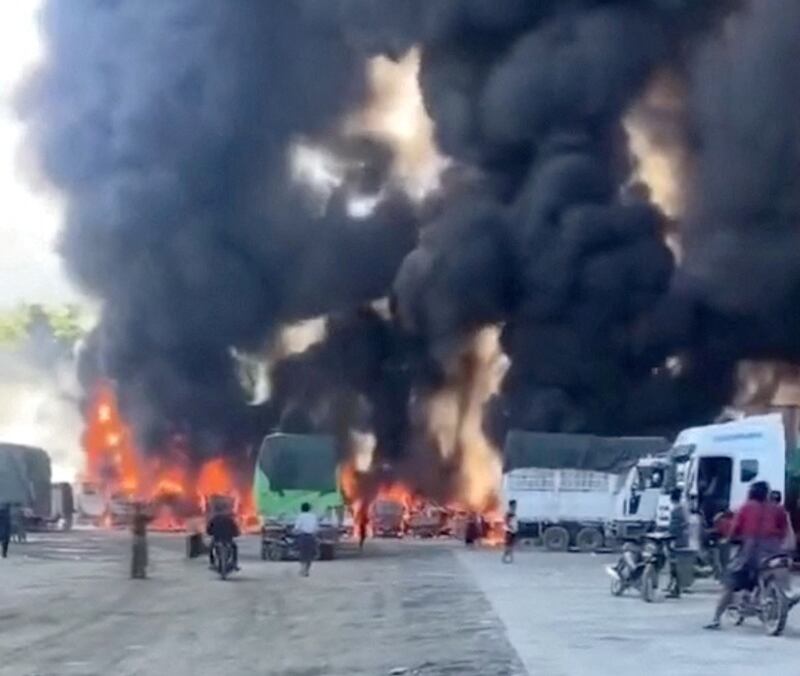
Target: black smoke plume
(169, 130)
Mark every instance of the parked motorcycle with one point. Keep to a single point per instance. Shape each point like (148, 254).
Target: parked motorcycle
(223, 558)
(769, 600)
(640, 566)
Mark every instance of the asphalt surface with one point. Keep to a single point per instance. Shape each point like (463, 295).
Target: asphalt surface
(67, 607)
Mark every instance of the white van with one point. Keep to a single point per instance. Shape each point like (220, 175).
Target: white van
(724, 459)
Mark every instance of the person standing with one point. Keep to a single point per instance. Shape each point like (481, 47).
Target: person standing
(511, 527)
(139, 549)
(679, 530)
(5, 528)
(781, 515)
(306, 527)
(362, 525)
(471, 532)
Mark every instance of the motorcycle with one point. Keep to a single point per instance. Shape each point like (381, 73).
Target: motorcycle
(640, 566)
(769, 599)
(223, 558)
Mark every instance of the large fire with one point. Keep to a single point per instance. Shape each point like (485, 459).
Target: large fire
(413, 513)
(175, 489)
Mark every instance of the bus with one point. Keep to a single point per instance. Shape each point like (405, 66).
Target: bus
(295, 468)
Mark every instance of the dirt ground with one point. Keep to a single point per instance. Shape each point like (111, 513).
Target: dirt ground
(67, 608)
(424, 608)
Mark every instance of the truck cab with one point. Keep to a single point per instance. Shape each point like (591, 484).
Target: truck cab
(638, 500)
(724, 459)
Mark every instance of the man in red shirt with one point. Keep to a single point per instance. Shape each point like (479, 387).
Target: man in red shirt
(761, 528)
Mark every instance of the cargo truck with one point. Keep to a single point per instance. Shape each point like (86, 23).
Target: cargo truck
(25, 483)
(578, 490)
(585, 491)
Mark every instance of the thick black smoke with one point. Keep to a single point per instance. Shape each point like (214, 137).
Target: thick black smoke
(572, 258)
(742, 231)
(170, 128)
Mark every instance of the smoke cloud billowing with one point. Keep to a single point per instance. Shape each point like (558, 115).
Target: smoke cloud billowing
(171, 132)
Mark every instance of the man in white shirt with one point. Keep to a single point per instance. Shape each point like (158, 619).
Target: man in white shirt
(305, 530)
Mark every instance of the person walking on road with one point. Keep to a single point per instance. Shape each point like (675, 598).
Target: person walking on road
(139, 549)
(306, 527)
(511, 527)
(5, 528)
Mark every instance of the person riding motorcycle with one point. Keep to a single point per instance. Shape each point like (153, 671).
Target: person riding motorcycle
(761, 529)
(223, 528)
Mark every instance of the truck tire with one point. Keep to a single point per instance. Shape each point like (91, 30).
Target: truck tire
(556, 539)
(589, 539)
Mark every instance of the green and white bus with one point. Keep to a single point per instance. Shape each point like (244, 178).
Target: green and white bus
(293, 469)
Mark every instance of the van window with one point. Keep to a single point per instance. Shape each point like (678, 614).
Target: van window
(748, 471)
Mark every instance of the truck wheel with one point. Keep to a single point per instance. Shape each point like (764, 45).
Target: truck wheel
(556, 539)
(589, 539)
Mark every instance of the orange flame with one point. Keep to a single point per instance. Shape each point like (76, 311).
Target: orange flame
(114, 464)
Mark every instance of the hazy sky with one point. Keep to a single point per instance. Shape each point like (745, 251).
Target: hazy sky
(30, 270)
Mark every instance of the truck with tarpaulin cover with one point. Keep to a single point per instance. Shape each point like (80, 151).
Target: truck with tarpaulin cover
(579, 489)
(292, 469)
(25, 483)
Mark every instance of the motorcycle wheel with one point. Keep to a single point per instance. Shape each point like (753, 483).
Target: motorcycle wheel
(274, 552)
(222, 563)
(774, 609)
(649, 583)
(617, 586)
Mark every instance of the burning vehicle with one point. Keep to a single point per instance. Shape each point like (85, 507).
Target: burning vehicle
(540, 278)
(117, 475)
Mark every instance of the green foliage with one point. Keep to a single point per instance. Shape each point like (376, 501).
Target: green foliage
(66, 321)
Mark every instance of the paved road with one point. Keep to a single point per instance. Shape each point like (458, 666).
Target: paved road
(562, 620)
(67, 608)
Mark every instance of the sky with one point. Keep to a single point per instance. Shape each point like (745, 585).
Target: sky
(30, 269)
